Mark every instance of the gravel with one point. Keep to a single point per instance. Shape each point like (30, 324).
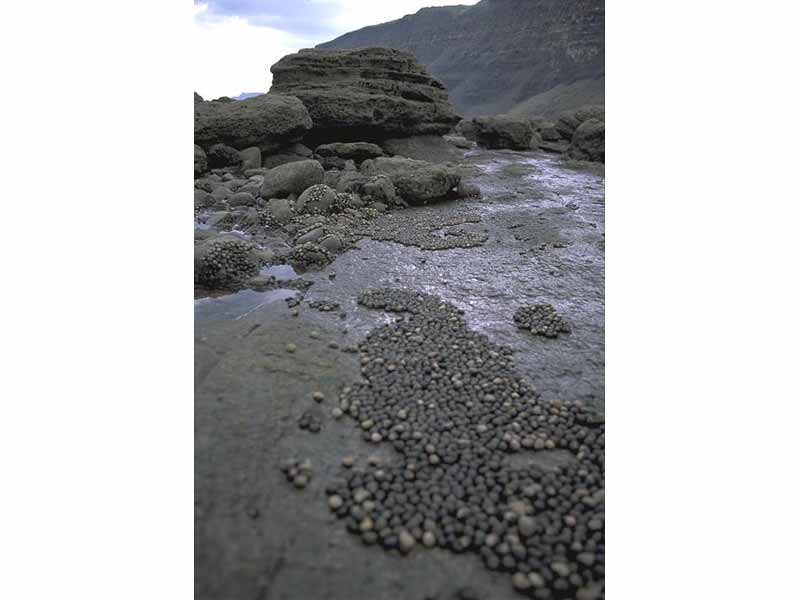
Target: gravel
(454, 410)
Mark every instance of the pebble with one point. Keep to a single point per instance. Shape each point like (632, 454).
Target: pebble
(348, 461)
(318, 396)
(335, 502)
(560, 568)
(428, 539)
(337, 413)
(520, 582)
(536, 580)
(291, 348)
(309, 422)
(297, 472)
(407, 541)
(526, 525)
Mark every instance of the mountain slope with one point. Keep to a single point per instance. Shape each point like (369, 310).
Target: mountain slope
(501, 54)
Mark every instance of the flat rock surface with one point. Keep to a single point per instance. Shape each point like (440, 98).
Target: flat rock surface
(540, 239)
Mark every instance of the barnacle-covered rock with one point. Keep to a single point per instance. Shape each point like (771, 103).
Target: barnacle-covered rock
(280, 210)
(224, 262)
(310, 254)
(309, 234)
(318, 199)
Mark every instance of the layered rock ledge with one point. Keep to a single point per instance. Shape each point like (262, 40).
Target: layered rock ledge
(365, 94)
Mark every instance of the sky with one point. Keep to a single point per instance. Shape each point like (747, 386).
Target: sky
(237, 41)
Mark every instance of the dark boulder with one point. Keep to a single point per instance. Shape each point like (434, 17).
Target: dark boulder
(364, 94)
(200, 161)
(466, 128)
(503, 131)
(589, 141)
(416, 181)
(269, 122)
(570, 120)
(276, 160)
(251, 158)
(221, 156)
(375, 189)
(291, 178)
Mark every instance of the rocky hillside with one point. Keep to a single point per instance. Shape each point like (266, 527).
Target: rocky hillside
(523, 56)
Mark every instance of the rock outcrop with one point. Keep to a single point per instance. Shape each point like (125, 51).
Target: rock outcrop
(270, 122)
(503, 131)
(364, 94)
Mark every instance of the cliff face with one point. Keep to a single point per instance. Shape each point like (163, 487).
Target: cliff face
(499, 54)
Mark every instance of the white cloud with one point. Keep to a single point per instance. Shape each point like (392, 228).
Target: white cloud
(355, 14)
(231, 56)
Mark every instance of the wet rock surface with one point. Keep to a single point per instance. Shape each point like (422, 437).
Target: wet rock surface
(540, 226)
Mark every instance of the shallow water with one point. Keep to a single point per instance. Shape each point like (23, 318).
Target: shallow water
(545, 225)
(236, 306)
(545, 245)
(281, 272)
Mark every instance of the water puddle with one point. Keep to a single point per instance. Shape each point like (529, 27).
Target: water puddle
(280, 272)
(236, 306)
